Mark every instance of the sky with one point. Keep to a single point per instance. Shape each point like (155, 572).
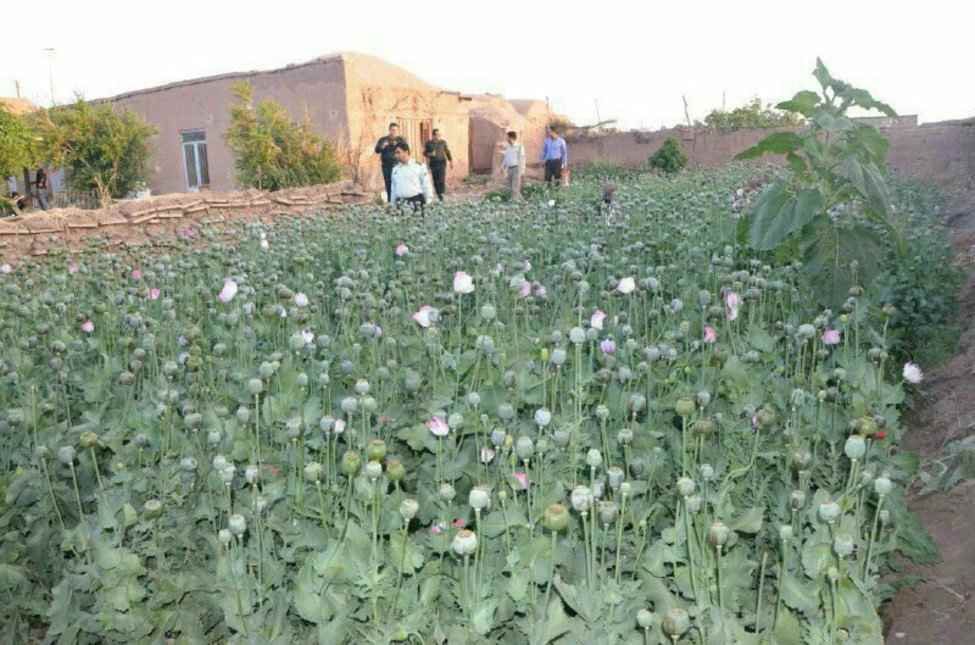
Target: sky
(631, 61)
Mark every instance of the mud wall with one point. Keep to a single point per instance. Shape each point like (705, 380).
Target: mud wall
(942, 153)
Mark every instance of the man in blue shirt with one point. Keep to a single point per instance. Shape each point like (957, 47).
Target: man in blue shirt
(555, 157)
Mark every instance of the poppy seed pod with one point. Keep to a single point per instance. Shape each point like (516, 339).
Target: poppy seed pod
(797, 499)
(464, 543)
(684, 407)
(224, 536)
(594, 458)
(376, 450)
(313, 472)
(645, 618)
(843, 545)
(408, 509)
(718, 534)
(686, 486)
(152, 508)
(883, 486)
(608, 512)
(237, 524)
(447, 492)
(373, 470)
(66, 455)
(479, 498)
(676, 622)
(88, 440)
(351, 462)
(829, 512)
(581, 498)
(395, 470)
(624, 436)
(524, 448)
(855, 447)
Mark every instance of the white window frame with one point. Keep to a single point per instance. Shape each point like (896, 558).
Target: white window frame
(196, 154)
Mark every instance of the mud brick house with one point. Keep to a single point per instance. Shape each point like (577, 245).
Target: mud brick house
(349, 98)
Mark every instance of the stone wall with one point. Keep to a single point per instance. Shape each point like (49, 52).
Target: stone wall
(942, 153)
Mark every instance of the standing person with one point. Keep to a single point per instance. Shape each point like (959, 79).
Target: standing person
(410, 181)
(513, 164)
(386, 149)
(437, 153)
(555, 156)
(40, 183)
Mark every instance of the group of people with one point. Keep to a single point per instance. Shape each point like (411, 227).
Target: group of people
(409, 182)
(40, 193)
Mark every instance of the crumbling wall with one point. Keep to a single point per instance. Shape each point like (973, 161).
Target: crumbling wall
(162, 218)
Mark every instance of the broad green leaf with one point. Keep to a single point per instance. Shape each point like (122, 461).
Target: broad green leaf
(799, 594)
(484, 616)
(778, 143)
(804, 102)
(788, 630)
(748, 522)
(406, 555)
(778, 214)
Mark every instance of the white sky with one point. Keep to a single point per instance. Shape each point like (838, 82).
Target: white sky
(636, 58)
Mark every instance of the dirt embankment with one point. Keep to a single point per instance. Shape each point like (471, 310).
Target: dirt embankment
(940, 607)
(139, 221)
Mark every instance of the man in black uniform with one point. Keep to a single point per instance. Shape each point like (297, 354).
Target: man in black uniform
(437, 154)
(386, 149)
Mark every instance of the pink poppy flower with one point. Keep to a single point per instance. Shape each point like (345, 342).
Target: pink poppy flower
(402, 250)
(607, 346)
(522, 479)
(731, 304)
(459, 523)
(437, 528)
(540, 290)
(72, 268)
(710, 335)
(422, 316)
(228, 292)
(136, 274)
(438, 427)
(88, 326)
(831, 337)
(525, 289)
(596, 322)
(5, 268)
(154, 294)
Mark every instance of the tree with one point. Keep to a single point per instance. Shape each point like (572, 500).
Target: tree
(752, 115)
(669, 158)
(102, 149)
(834, 206)
(271, 150)
(18, 145)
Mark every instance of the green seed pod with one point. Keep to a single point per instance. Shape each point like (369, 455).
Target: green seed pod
(703, 426)
(376, 450)
(686, 486)
(152, 508)
(684, 407)
(237, 524)
(464, 543)
(556, 518)
(255, 386)
(785, 532)
(608, 512)
(524, 448)
(843, 545)
(581, 498)
(447, 492)
(351, 462)
(797, 499)
(408, 509)
(395, 470)
(479, 498)
(883, 486)
(829, 512)
(88, 440)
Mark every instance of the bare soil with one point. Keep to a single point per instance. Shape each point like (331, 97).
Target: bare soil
(940, 608)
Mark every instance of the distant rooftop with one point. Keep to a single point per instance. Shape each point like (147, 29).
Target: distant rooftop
(17, 106)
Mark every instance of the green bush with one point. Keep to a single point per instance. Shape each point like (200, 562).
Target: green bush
(16, 144)
(669, 158)
(271, 151)
(752, 115)
(103, 149)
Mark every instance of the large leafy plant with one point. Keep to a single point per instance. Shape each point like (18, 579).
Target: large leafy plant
(271, 150)
(834, 207)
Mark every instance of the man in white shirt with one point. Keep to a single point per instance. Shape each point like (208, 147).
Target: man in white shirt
(513, 164)
(410, 181)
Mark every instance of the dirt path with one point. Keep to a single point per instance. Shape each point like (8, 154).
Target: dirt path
(940, 608)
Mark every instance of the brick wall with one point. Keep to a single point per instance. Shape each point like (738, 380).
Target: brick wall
(942, 153)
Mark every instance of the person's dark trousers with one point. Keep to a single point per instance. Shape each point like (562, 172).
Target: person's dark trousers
(439, 171)
(553, 171)
(388, 179)
(416, 202)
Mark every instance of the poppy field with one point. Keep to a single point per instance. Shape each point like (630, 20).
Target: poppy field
(501, 423)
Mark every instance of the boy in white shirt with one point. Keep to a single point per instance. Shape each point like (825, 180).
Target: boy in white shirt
(410, 181)
(513, 164)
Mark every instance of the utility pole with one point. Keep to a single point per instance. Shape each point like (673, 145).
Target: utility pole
(17, 87)
(598, 120)
(50, 70)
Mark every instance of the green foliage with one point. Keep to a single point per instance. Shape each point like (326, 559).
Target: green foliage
(836, 199)
(216, 414)
(17, 144)
(670, 158)
(102, 149)
(272, 151)
(752, 115)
